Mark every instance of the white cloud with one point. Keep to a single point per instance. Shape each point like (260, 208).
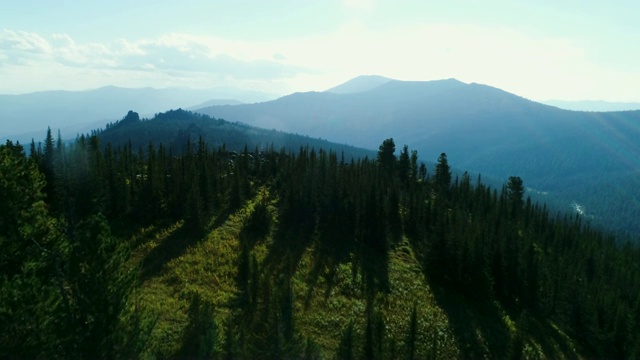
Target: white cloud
(534, 67)
(529, 66)
(22, 48)
(172, 59)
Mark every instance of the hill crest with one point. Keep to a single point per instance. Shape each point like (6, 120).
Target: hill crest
(359, 84)
(484, 129)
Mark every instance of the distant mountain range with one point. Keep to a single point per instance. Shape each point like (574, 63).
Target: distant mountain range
(359, 84)
(594, 105)
(587, 159)
(23, 117)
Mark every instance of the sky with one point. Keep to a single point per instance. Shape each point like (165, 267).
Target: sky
(541, 50)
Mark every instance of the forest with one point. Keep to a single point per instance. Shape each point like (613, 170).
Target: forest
(585, 157)
(196, 250)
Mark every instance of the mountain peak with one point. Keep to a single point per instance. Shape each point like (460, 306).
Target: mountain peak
(359, 84)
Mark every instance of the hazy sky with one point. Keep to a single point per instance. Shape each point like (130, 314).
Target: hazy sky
(537, 49)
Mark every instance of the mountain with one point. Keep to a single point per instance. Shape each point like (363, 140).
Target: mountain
(359, 84)
(174, 128)
(214, 102)
(593, 105)
(73, 111)
(586, 159)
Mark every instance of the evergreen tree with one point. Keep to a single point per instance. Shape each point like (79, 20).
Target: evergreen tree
(442, 177)
(404, 166)
(515, 192)
(386, 158)
(30, 272)
(414, 166)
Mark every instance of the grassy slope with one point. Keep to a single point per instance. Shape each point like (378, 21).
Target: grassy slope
(176, 264)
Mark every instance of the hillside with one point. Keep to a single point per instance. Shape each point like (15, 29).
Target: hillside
(576, 157)
(296, 255)
(174, 128)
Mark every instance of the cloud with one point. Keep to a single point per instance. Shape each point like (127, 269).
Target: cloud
(534, 66)
(528, 65)
(169, 56)
(21, 48)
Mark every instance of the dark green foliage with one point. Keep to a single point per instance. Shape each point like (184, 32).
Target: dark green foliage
(442, 177)
(98, 288)
(174, 128)
(76, 285)
(515, 192)
(68, 278)
(30, 276)
(405, 167)
(588, 157)
(131, 117)
(386, 157)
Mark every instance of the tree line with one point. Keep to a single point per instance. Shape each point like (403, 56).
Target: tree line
(67, 277)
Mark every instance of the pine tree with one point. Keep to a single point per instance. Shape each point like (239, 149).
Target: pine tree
(442, 177)
(515, 193)
(386, 158)
(414, 166)
(404, 166)
(30, 275)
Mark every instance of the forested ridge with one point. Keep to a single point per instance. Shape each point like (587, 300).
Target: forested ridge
(173, 128)
(125, 252)
(589, 158)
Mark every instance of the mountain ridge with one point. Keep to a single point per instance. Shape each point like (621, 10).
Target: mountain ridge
(594, 105)
(482, 128)
(174, 128)
(359, 84)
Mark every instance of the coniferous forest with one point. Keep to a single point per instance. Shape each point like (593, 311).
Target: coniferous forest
(154, 252)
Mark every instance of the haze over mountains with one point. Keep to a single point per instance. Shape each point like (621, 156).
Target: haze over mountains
(359, 84)
(405, 262)
(593, 105)
(24, 117)
(586, 158)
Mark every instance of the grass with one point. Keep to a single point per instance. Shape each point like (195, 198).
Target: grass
(186, 265)
(329, 296)
(337, 302)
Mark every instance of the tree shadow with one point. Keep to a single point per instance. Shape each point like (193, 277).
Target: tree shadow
(173, 246)
(477, 325)
(257, 227)
(550, 339)
(326, 261)
(284, 255)
(476, 321)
